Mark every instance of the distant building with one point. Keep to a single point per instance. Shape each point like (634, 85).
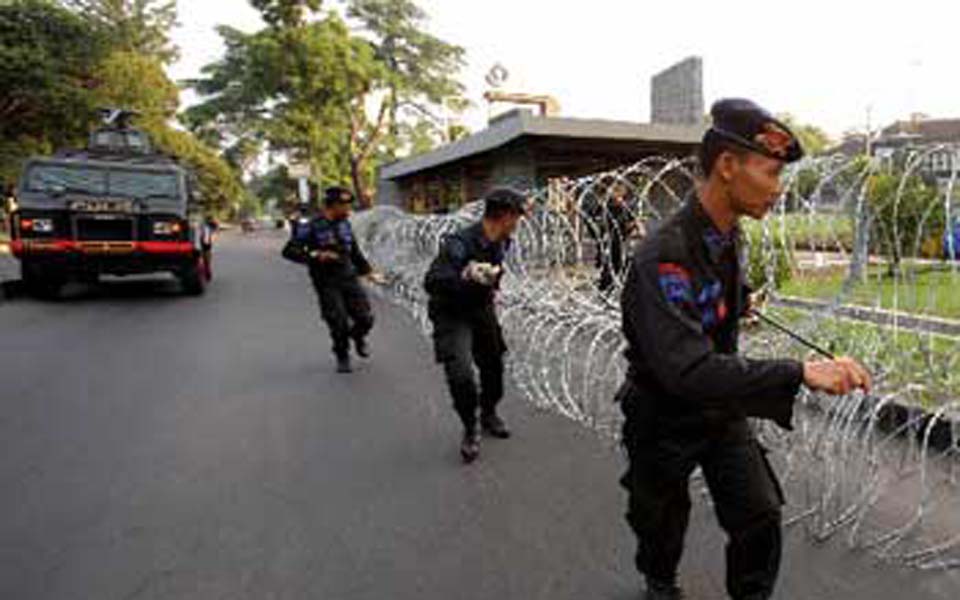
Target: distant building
(525, 151)
(938, 139)
(918, 134)
(676, 94)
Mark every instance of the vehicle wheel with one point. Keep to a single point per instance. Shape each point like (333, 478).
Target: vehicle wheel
(38, 282)
(193, 278)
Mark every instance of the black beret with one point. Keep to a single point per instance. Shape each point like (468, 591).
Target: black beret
(506, 198)
(745, 124)
(337, 195)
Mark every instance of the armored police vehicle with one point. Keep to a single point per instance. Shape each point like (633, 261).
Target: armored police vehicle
(116, 207)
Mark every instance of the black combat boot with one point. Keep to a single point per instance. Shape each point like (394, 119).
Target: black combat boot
(343, 364)
(662, 590)
(494, 426)
(363, 350)
(470, 445)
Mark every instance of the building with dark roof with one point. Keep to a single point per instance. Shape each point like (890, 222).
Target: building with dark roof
(525, 151)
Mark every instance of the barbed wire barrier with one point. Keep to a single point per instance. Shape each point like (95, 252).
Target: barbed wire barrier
(858, 255)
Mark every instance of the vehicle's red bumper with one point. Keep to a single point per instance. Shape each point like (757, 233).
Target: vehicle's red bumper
(47, 247)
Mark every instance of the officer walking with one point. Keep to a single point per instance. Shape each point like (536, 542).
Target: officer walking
(461, 283)
(617, 223)
(327, 246)
(688, 394)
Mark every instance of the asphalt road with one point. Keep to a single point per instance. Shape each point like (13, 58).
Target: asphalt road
(159, 446)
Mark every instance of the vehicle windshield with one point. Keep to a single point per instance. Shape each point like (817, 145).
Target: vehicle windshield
(143, 184)
(96, 181)
(58, 178)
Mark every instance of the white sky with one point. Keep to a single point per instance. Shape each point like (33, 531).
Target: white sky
(825, 61)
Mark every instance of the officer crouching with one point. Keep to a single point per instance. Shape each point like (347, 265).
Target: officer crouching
(461, 283)
(688, 394)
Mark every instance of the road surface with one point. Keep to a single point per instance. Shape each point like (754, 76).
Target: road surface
(160, 446)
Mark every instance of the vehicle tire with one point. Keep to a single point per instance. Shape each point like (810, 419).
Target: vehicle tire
(193, 279)
(38, 282)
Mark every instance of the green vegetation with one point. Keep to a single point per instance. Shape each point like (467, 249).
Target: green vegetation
(48, 57)
(813, 139)
(810, 231)
(759, 257)
(928, 363)
(341, 92)
(60, 62)
(908, 217)
(926, 289)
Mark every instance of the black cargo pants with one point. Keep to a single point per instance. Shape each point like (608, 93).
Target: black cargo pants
(746, 495)
(345, 308)
(462, 340)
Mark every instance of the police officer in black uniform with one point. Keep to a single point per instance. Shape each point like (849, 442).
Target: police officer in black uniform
(617, 224)
(328, 247)
(688, 394)
(461, 283)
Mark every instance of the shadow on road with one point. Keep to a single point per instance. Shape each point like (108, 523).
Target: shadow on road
(128, 290)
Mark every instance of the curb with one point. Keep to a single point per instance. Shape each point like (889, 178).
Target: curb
(876, 316)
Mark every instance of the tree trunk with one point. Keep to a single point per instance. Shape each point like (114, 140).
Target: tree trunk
(356, 178)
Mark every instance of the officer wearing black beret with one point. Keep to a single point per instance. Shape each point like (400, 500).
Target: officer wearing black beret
(688, 394)
(461, 283)
(328, 247)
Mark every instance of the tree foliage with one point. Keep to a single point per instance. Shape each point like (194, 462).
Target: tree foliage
(325, 95)
(139, 83)
(141, 26)
(286, 13)
(813, 139)
(48, 59)
(58, 66)
(907, 216)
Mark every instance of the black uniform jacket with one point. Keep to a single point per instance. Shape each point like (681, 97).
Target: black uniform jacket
(682, 303)
(444, 282)
(322, 234)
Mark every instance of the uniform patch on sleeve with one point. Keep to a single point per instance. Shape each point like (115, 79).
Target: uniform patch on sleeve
(675, 283)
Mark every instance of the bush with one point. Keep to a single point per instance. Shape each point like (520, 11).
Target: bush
(760, 256)
(905, 214)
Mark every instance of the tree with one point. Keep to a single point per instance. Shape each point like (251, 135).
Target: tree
(421, 67)
(141, 26)
(242, 154)
(421, 136)
(276, 186)
(47, 61)
(813, 139)
(304, 90)
(220, 188)
(906, 212)
(139, 83)
(286, 13)
(324, 95)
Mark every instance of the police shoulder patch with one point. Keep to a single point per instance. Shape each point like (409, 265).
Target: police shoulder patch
(675, 283)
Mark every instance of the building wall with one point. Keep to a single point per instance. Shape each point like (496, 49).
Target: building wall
(461, 182)
(526, 164)
(676, 94)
